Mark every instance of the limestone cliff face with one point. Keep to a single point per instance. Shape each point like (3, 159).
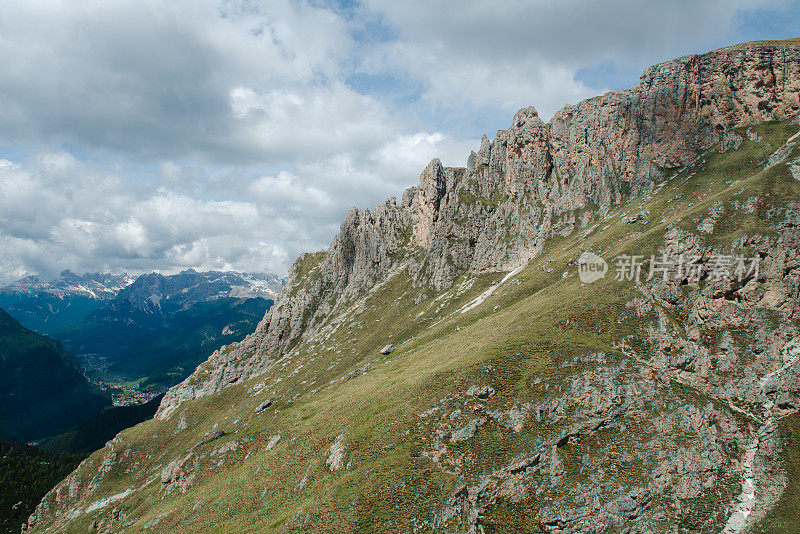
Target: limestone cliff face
(533, 181)
(366, 248)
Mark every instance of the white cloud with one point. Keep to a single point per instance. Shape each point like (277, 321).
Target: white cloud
(313, 122)
(142, 135)
(57, 212)
(77, 217)
(155, 79)
(526, 52)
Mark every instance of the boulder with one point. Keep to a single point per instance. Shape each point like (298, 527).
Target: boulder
(264, 405)
(481, 392)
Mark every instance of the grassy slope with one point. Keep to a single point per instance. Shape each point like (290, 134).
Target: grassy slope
(526, 330)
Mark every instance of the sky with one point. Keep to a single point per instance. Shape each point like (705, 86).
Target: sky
(141, 135)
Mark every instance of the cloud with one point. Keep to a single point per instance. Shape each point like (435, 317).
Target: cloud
(171, 79)
(148, 135)
(57, 212)
(287, 125)
(522, 52)
(238, 82)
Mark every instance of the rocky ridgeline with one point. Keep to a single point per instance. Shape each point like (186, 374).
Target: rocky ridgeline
(533, 181)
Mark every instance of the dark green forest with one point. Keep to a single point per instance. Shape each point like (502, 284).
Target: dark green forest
(27, 473)
(42, 390)
(93, 434)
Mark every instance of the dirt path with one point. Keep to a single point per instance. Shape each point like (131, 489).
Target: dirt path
(483, 296)
(746, 501)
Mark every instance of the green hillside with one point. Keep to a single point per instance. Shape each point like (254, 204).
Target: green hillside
(42, 391)
(162, 349)
(47, 314)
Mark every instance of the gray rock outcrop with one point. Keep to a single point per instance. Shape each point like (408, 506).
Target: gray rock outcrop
(533, 181)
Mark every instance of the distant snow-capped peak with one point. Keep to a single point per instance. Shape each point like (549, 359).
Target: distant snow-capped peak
(103, 286)
(98, 286)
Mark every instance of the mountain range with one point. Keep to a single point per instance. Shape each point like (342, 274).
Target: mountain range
(447, 365)
(153, 327)
(48, 306)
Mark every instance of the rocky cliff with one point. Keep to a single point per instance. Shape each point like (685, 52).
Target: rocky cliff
(534, 181)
